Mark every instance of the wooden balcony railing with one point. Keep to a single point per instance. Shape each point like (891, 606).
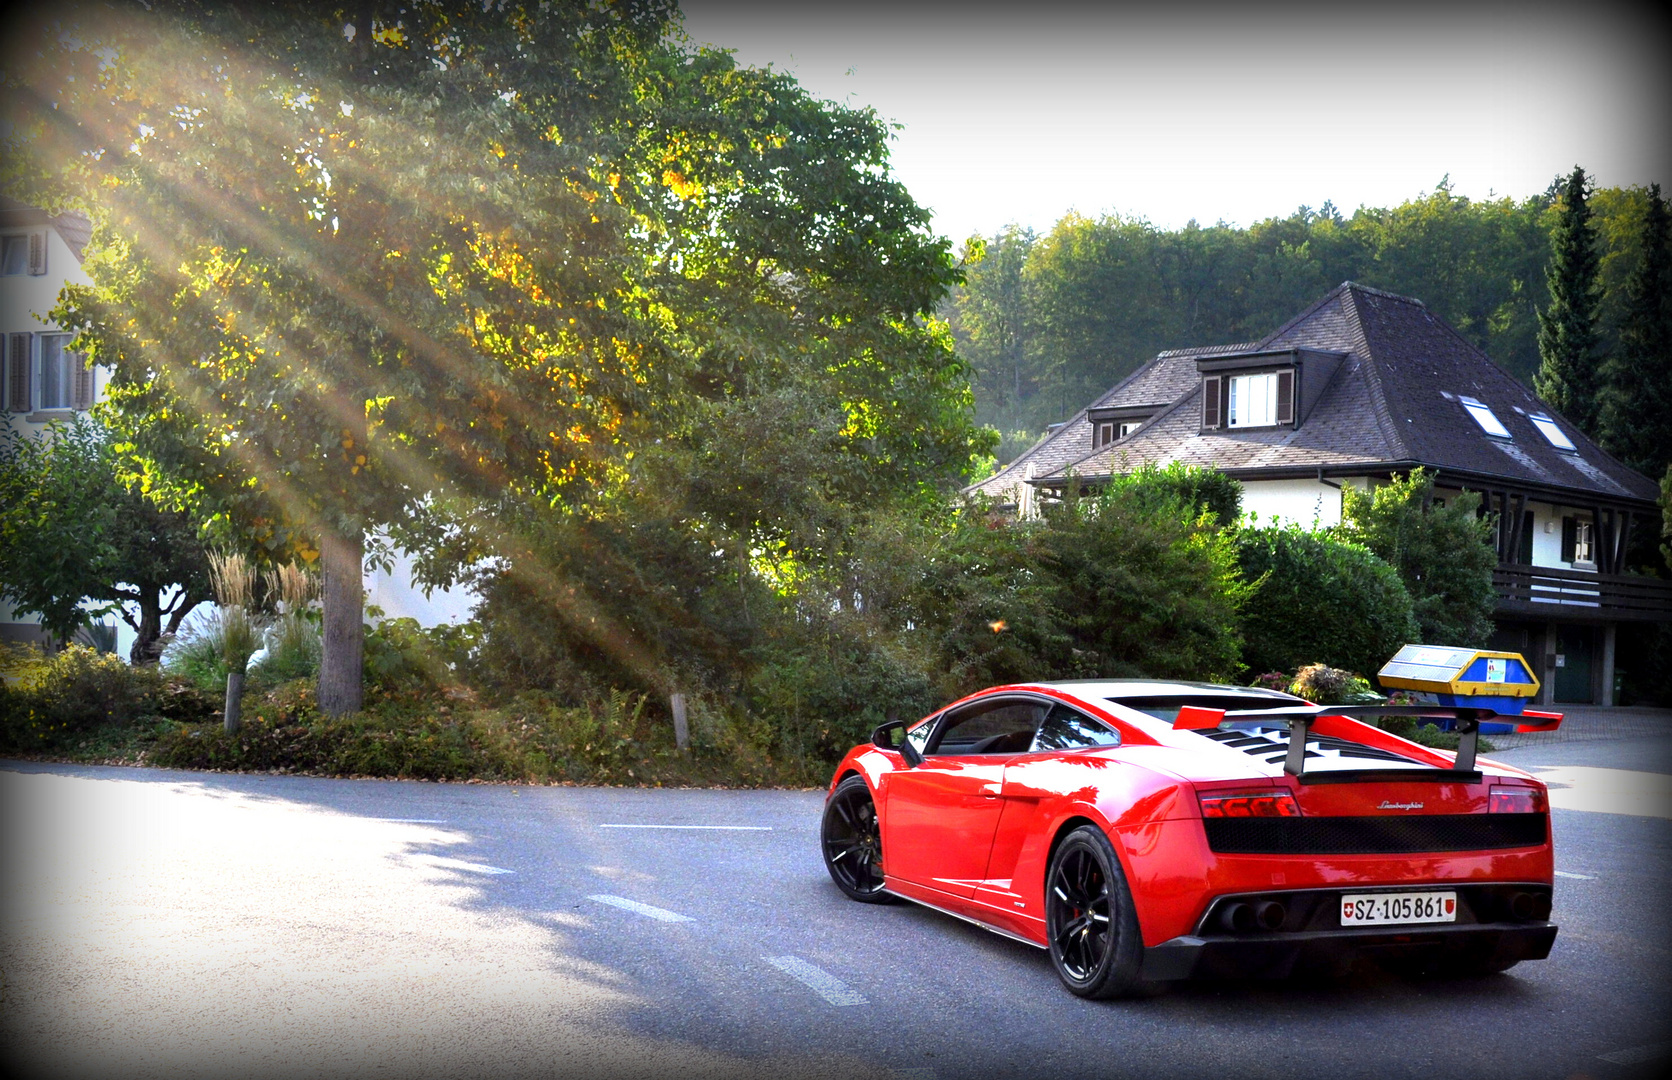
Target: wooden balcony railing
(1543, 591)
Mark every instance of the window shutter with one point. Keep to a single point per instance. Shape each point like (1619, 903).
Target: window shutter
(81, 396)
(37, 253)
(1570, 537)
(1285, 397)
(1210, 401)
(17, 381)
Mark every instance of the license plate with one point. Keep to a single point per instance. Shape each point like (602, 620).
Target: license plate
(1383, 909)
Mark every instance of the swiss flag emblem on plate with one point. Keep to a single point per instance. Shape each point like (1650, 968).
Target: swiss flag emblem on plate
(1451, 906)
(1347, 910)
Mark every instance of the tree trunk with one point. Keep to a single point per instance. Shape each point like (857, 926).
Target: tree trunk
(341, 667)
(148, 645)
(234, 701)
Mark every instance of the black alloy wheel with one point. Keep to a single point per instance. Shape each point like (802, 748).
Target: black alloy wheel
(852, 842)
(1095, 943)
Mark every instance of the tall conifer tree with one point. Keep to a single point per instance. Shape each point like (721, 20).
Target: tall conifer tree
(1635, 406)
(1567, 329)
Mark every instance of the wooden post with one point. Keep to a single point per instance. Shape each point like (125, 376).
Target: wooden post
(681, 733)
(234, 701)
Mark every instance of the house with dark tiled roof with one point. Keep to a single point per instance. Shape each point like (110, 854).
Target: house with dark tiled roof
(1363, 385)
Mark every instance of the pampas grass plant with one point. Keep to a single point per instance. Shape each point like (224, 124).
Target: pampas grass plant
(293, 637)
(240, 625)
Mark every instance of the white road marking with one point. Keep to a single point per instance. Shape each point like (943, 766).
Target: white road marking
(1576, 877)
(459, 864)
(1609, 791)
(412, 820)
(725, 828)
(647, 910)
(1639, 1054)
(823, 983)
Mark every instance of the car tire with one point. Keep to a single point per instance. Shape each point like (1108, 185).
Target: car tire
(1092, 927)
(851, 838)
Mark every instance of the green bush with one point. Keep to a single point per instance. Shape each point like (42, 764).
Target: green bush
(828, 680)
(50, 702)
(1142, 583)
(1203, 490)
(1443, 554)
(198, 653)
(1325, 685)
(1319, 600)
(402, 656)
(533, 738)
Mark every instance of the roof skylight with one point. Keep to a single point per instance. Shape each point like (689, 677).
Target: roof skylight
(1547, 427)
(1485, 417)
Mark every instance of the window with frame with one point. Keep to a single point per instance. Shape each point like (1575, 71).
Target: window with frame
(1483, 415)
(1104, 433)
(1001, 726)
(1065, 728)
(1552, 432)
(65, 379)
(1577, 540)
(1129, 426)
(1253, 400)
(14, 255)
(1258, 399)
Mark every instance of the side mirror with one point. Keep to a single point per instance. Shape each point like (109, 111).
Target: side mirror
(892, 736)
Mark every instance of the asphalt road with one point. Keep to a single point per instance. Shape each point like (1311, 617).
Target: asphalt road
(175, 924)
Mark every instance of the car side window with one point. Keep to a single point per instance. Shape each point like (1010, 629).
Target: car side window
(1003, 726)
(1069, 729)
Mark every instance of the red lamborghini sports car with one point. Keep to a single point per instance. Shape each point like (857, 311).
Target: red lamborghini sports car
(1144, 832)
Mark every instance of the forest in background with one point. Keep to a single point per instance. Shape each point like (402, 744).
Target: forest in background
(1048, 322)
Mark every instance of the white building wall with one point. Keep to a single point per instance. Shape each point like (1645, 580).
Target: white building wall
(1307, 503)
(394, 592)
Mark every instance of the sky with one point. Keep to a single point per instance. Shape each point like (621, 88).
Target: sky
(1023, 112)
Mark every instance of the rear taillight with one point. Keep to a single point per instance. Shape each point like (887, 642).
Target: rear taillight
(1516, 800)
(1262, 804)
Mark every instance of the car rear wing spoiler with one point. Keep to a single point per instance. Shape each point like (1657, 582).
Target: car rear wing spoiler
(1345, 722)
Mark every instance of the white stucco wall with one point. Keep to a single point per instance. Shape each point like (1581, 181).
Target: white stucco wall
(394, 592)
(1307, 503)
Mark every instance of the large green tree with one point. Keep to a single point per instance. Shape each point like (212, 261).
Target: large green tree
(1443, 553)
(390, 267)
(72, 533)
(1635, 414)
(990, 319)
(1568, 338)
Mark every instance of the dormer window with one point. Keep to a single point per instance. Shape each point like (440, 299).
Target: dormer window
(1485, 417)
(1110, 423)
(1257, 400)
(1552, 434)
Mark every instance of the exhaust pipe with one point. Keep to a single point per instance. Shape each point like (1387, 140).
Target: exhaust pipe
(1270, 914)
(1523, 905)
(1238, 918)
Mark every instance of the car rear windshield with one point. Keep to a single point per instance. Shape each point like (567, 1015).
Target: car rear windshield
(1167, 708)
